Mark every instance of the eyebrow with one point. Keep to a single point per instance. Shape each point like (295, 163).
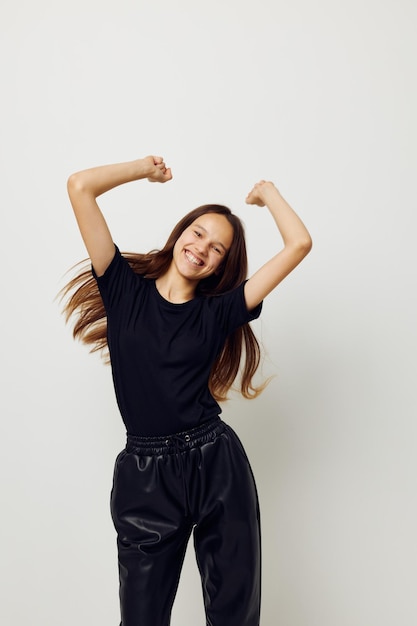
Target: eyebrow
(219, 243)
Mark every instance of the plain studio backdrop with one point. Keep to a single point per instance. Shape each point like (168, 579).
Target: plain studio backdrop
(319, 97)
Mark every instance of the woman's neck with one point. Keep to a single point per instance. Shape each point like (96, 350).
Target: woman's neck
(175, 288)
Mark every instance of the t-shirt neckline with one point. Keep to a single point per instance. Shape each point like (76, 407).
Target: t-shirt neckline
(170, 304)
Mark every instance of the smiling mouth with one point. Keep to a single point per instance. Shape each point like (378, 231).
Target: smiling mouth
(193, 259)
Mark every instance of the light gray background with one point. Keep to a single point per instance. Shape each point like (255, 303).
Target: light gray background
(319, 97)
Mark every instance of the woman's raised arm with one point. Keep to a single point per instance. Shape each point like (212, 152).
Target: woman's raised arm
(83, 189)
(296, 238)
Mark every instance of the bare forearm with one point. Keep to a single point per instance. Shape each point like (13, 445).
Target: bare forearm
(97, 180)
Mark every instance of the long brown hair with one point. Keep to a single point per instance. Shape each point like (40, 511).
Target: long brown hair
(83, 299)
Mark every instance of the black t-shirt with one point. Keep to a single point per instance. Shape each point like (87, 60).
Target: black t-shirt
(162, 353)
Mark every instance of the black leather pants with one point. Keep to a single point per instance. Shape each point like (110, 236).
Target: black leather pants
(166, 488)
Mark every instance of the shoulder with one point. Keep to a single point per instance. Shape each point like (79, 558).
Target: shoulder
(110, 268)
(119, 279)
(117, 265)
(230, 307)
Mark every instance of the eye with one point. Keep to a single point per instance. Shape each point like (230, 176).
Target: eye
(216, 249)
(197, 233)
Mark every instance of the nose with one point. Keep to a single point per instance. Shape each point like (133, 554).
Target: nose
(202, 248)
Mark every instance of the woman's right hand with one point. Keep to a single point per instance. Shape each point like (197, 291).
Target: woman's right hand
(159, 172)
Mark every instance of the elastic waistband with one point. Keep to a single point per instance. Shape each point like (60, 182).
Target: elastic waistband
(176, 442)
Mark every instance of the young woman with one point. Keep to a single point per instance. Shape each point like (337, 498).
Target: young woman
(176, 323)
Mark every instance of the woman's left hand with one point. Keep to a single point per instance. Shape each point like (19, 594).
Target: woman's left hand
(258, 195)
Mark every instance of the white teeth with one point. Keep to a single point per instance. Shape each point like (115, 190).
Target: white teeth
(192, 258)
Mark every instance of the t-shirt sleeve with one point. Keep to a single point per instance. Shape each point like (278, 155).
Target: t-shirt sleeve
(231, 311)
(117, 281)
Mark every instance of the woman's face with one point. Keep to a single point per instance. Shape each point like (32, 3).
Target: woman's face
(203, 246)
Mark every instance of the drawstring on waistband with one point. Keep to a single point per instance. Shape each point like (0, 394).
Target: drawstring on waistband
(180, 443)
